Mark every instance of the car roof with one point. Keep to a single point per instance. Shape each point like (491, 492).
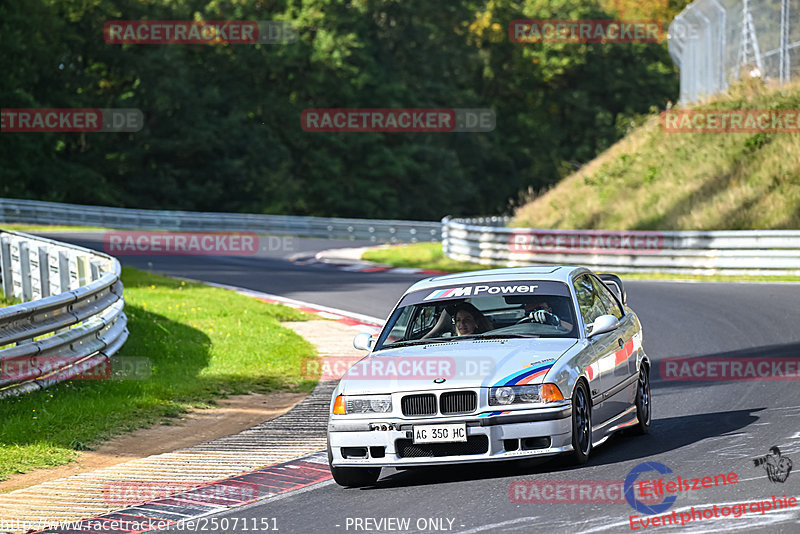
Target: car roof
(556, 273)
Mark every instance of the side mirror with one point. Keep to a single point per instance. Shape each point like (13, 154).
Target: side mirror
(363, 341)
(603, 324)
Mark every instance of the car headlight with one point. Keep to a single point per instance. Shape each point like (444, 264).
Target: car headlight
(529, 393)
(505, 395)
(349, 404)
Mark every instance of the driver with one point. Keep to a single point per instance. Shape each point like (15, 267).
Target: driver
(540, 311)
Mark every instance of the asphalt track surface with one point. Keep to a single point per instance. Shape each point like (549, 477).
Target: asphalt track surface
(699, 428)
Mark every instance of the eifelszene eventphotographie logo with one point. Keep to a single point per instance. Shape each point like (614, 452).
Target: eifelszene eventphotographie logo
(776, 465)
(636, 504)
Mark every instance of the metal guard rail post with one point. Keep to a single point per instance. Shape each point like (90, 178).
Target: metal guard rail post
(751, 252)
(392, 231)
(71, 319)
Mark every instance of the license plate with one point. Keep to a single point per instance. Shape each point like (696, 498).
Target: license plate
(440, 433)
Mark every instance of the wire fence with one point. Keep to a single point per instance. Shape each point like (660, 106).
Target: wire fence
(716, 42)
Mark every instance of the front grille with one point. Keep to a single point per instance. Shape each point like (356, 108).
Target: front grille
(456, 402)
(474, 445)
(419, 404)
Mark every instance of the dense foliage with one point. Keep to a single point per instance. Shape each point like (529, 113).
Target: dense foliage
(222, 125)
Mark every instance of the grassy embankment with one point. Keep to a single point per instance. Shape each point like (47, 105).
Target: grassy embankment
(203, 343)
(654, 180)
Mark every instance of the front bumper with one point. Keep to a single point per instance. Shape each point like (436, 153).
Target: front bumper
(522, 433)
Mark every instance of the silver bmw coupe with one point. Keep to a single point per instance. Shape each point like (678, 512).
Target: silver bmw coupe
(492, 365)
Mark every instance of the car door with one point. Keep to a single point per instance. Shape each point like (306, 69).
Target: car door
(602, 348)
(619, 358)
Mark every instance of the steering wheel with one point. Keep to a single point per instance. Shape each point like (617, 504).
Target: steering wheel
(541, 317)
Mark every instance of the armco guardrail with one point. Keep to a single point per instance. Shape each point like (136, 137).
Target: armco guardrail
(36, 212)
(71, 319)
(480, 240)
(488, 241)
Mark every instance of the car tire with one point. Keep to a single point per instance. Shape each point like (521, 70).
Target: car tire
(353, 477)
(581, 424)
(644, 411)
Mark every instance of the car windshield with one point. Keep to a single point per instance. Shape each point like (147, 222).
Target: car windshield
(438, 316)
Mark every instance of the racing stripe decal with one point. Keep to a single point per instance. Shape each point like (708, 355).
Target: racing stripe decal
(611, 361)
(534, 375)
(442, 293)
(513, 377)
(621, 356)
(519, 376)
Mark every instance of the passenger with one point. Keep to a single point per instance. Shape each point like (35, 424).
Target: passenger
(469, 320)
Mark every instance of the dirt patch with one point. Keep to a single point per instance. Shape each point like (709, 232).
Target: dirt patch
(233, 415)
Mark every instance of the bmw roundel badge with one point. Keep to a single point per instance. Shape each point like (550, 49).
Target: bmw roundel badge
(438, 380)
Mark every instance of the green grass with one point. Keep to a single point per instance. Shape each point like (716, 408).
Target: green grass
(419, 255)
(49, 228)
(430, 256)
(7, 301)
(204, 343)
(656, 180)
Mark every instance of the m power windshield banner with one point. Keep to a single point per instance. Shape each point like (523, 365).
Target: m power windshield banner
(501, 289)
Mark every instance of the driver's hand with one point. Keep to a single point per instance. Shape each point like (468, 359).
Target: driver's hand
(545, 317)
